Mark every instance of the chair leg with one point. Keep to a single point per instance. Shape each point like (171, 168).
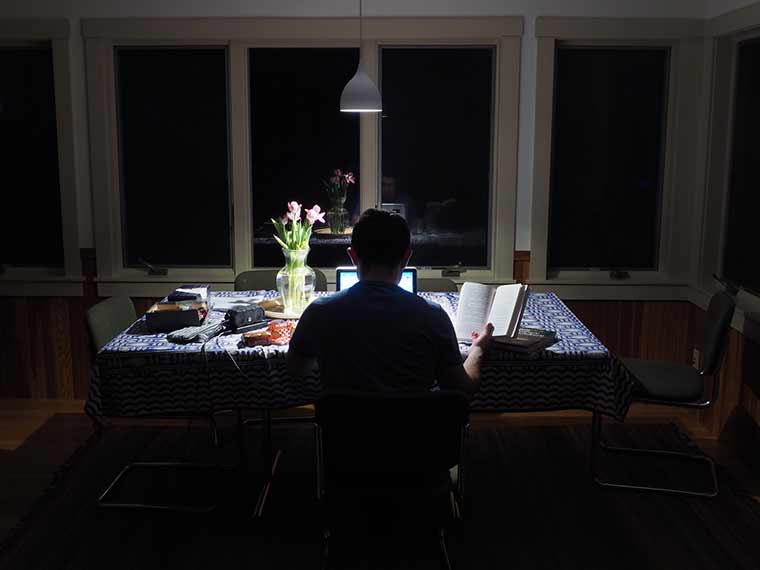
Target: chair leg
(325, 560)
(163, 465)
(103, 499)
(597, 444)
(445, 562)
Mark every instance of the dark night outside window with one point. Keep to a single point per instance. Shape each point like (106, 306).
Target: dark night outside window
(740, 260)
(174, 167)
(29, 150)
(607, 157)
(298, 136)
(436, 149)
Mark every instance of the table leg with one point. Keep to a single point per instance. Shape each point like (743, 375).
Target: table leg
(272, 458)
(596, 428)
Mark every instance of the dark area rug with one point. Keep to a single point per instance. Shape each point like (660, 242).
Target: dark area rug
(530, 504)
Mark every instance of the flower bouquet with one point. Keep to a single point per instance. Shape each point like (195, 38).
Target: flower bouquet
(296, 280)
(337, 189)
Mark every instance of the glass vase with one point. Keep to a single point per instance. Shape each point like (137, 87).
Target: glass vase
(337, 215)
(295, 281)
(337, 219)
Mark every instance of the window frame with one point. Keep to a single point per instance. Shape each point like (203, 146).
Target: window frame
(497, 247)
(683, 39)
(241, 34)
(722, 66)
(66, 280)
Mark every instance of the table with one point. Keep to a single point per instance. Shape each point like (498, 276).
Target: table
(142, 374)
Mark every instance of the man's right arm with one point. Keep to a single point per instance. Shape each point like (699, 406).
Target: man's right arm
(465, 376)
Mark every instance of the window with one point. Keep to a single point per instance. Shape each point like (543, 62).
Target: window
(607, 157)
(172, 112)
(29, 147)
(227, 124)
(740, 241)
(436, 137)
(298, 137)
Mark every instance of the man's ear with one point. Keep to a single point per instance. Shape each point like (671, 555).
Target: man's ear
(407, 256)
(352, 254)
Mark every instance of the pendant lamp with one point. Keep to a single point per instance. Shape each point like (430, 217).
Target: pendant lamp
(360, 95)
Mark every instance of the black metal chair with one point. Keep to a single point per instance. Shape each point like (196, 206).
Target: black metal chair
(259, 279)
(675, 384)
(397, 445)
(105, 320)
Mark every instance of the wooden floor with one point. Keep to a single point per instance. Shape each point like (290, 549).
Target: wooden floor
(20, 418)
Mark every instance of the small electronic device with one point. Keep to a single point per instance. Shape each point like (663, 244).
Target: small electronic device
(244, 316)
(345, 277)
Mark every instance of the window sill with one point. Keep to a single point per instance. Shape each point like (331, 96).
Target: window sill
(747, 316)
(40, 283)
(633, 289)
(156, 286)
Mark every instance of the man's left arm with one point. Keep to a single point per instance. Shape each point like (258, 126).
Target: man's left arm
(302, 352)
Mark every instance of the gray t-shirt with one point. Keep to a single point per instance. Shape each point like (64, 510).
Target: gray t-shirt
(377, 337)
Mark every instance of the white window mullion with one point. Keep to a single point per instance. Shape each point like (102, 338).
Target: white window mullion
(369, 136)
(105, 197)
(504, 157)
(240, 158)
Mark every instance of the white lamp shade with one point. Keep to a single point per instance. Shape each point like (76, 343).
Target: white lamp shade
(360, 95)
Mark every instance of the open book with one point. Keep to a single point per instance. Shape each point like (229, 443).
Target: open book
(480, 304)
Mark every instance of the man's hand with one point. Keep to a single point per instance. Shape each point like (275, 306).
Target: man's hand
(480, 342)
(483, 339)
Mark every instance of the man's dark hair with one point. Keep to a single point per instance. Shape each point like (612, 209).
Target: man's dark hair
(380, 238)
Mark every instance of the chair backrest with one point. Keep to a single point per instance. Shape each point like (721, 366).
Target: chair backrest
(266, 279)
(108, 318)
(436, 284)
(717, 322)
(407, 432)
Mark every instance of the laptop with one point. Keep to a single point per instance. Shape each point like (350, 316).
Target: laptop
(345, 277)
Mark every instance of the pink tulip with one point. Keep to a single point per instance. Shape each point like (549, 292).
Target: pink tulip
(294, 211)
(349, 178)
(335, 180)
(315, 214)
(337, 172)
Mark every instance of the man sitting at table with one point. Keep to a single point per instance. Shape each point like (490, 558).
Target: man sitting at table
(375, 336)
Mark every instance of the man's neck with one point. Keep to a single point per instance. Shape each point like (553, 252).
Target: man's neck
(380, 274)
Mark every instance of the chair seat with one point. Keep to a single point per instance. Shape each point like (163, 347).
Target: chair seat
(663, 380)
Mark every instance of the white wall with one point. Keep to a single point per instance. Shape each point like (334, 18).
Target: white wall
(77, 9)
(717, 7)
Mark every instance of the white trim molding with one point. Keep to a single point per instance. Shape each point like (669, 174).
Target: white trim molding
(682, 147)
(53, 281)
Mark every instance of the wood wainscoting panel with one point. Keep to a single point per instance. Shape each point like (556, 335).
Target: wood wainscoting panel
(660, 330)
(521, 266)
(45, 349)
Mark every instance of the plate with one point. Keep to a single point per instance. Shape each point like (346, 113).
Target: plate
(274, 310)
(280, 315)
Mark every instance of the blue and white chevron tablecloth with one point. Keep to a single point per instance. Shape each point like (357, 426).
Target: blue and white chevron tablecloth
(139, 373)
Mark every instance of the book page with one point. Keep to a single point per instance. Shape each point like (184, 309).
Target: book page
(474, 303)
(506, 303)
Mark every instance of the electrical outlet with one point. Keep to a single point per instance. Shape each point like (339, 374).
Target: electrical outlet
(695, 358)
